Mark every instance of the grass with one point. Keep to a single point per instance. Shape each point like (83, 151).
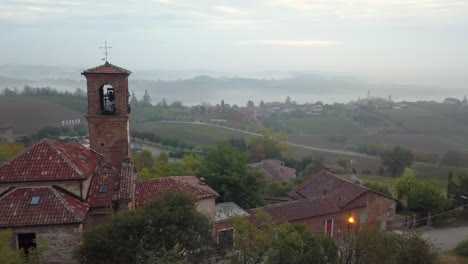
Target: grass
(201, 135)
(452, 258)
(324, 125)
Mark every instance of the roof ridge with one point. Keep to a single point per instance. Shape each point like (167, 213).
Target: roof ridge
(64, 202)
(192, 185)
(8, 192)
(64, 157)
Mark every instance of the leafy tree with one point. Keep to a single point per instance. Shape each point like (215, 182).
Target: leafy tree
(460, 188)
(161, 168)
(270, 145)
(250, 104)
(8, 151)
(226, 171)
(146, 100)
(295, 243)
(396, 160)
(450, 186)
(169, 229)
(262, 104)
(288, 100)
(191, 165)
(342, 162)
(144, 159)
(278, 189)
(134, 100)
(7, 254)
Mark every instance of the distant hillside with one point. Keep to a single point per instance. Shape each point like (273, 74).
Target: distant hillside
(29, 114)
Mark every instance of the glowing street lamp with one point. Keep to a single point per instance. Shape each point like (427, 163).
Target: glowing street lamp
(351, 220)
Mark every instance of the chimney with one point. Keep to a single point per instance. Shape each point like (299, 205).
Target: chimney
(202, 181)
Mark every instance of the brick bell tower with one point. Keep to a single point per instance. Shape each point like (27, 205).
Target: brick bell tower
(109, 112)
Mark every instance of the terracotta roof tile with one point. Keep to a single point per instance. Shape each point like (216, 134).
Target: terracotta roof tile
(275, 170)
(107, 68)
(325, 183)
(300, 209)
(126, 186)
(49, 160)
(147, 190)
(54, 207)
(104, 177)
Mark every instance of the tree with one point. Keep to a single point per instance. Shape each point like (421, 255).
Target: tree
(269, 146)
(250, 104)
(146, 100)
(7, 254)
(8, 151)
(134, 100)
(191, 165)
(396, 160)
(450, 186)
(226, 171)
(78, 92)
(378, 188)
(168, 229)
(161, 168)
(262, 104)
(144, 159)
(288, 100)
(460, 188)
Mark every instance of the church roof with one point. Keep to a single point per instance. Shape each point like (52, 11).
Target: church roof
(50, 160)
(107, 68)
(147, 190)
(27, 206)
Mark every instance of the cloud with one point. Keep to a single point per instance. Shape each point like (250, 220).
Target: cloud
(233, 10)
(278, 42)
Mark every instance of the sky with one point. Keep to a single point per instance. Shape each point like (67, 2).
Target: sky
(400, 41)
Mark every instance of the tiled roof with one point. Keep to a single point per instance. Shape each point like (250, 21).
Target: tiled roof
(103, 176)
(325, 183)
(126, 187)
(275, 170)
(300, 209)
(147, 190)
(49, 160)
(107, 68)
(54, 207)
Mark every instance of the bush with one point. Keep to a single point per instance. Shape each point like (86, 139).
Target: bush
(462, 248)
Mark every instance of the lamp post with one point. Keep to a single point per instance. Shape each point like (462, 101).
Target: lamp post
(350, 222)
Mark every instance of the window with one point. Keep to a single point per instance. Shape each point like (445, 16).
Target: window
(35, 200)
(389, 212)
(107, 95)
(103, 188)
(226, 238)
(383, 225)
(329, 228)
(26, 241)
(362, 217)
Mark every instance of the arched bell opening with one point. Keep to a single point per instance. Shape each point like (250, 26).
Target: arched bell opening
(107, 99)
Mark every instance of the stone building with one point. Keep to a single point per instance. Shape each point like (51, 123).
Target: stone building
(54, 190)
(326, 203)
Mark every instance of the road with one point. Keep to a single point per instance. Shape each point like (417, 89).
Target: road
(339, 152)
(446, 238)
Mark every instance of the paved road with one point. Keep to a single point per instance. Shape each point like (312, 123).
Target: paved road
(446, 238)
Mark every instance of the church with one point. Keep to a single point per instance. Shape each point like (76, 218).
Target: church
(54, 190)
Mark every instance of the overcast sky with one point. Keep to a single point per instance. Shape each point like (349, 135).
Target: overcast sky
(418, 41)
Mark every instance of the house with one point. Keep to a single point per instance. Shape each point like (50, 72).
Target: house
(274, 169)
(453, 101)
(6, 133)
(54, 190)
(225, 212)
(326, 203)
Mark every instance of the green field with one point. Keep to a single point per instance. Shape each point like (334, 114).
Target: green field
(201, 135)
(324, 125)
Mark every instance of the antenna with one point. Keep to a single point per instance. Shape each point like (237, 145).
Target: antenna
(106, 50)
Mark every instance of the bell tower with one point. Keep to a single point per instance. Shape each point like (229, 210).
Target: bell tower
(109, 112)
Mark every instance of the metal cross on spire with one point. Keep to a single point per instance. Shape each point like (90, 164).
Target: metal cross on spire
(106, 52)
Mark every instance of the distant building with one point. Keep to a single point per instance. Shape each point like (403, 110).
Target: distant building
(223, 216)
(326, 202)
(274, 169)
(6, 133)
(453, 101)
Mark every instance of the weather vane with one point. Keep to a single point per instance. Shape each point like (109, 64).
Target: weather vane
(106, 52)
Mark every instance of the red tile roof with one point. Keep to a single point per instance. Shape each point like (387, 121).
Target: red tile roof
(49, 160)
(325, 183)
(126, 186)
(147, 190)
(275, 170)
(103, 175)
(55, 207)
(301, 209)
(107, 68)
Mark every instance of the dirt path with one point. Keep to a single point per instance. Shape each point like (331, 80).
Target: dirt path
(446, 238)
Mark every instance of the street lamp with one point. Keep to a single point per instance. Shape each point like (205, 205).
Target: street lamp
(350, 222)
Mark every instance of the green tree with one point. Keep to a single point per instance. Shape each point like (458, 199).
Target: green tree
(378, 188)
(450, 185)
(460, 189)
(270, 145)
(144, 159)
(191, 165)
(146, 100)
(396, 160)
(134, 100)
(168, 230)
(250, 104)
(226, 171)
(7, 254)
(8, 151)
(161, 168)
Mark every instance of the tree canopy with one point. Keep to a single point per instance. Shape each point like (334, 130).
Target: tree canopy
(396, 160)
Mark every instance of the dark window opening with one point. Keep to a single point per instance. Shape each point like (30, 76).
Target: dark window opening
(26, 241)
(107, 96)
(226, 238)
(35, 200)
(103, 188)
